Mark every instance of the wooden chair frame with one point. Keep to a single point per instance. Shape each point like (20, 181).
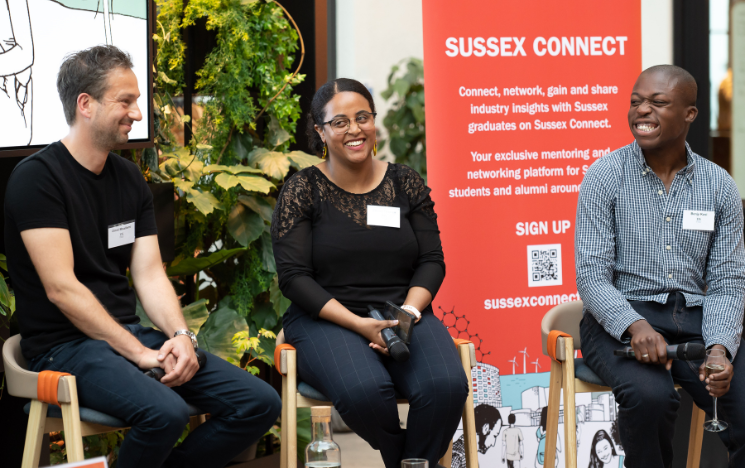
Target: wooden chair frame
(22, 383)
(292, 400)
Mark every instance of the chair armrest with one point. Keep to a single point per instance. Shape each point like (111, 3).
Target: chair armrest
(280, 357)
(23, 383)
(556, 345)
(471, 350)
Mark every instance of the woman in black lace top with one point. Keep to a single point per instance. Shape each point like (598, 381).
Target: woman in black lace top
(354, 231)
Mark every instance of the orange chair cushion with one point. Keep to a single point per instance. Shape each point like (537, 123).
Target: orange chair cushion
(551, 345)
(459, 342)
(278, 355)
(46, 387)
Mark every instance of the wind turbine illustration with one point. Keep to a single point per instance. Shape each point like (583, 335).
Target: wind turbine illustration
(537, 365)
(525, 355)
(514, 363)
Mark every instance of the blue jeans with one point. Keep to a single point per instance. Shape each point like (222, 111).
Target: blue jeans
(360, 382)
(242, 407)
(647, 399)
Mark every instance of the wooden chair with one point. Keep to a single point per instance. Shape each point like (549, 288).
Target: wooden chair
(561, 326)
(301, 395)
(54, 407)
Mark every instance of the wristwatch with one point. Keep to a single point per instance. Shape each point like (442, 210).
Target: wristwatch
(191, 336)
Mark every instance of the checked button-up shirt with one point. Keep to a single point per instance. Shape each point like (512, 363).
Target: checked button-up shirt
(630, 243)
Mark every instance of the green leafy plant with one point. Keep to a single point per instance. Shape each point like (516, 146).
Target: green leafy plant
(7, 298)
(405, 120)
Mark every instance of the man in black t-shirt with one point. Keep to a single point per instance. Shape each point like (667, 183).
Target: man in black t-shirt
(77, 217)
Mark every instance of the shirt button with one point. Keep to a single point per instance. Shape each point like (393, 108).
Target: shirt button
(668, 247)
(668, 219)
(659, 192)
(670, 275)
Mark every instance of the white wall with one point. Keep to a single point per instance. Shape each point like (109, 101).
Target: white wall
(371, 37)
(374, 35)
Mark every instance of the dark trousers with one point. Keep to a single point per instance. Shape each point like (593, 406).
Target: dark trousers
(242, 407)
(360, 381)
(647, 400)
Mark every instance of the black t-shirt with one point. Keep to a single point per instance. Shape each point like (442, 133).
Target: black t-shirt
(325, 249)
(50, 189)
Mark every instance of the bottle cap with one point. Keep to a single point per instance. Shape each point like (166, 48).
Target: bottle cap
(320, 411)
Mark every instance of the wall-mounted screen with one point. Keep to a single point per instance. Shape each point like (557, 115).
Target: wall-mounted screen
(35, 37)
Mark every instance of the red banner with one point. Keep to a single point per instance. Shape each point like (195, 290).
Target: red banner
(521, 98)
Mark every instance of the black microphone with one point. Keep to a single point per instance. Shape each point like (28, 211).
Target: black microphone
(158, 373)
(684, 352)
(396, 346)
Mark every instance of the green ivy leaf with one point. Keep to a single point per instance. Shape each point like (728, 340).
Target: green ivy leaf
(192, 266)
(237, 169)
(226, 181)
(244, 225)
(280, 302)
(206, 203)
(259, 205)
(401, 86)
(218, 331)
(300, 160)
(3, 262)
(267, 253)
(274, 164)
(165, 78)
(253, 183)
(277, 134)
(195, 315)
(264, 316)
(184, 185)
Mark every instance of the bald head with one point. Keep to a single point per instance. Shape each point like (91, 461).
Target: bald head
(680, 79)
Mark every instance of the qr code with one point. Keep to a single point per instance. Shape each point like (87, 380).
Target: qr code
(544, 265)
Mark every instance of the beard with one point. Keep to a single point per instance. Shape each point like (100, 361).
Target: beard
(107, 137)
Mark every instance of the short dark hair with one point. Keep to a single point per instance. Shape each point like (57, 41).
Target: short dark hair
(86, 72)
(683, 77)
(485, 414)
(324, 94)
(511, 418)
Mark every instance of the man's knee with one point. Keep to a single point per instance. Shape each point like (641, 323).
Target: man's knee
(263, 408)
(166, 418)
(648, 399)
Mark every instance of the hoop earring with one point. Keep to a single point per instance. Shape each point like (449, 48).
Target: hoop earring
(375, 148)
(325, 151)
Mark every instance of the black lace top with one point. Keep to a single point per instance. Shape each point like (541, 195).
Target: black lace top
(324, 248)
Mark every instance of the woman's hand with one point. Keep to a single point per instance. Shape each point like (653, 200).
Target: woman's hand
(370, 329)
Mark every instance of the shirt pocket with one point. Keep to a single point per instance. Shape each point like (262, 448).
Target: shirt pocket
(695, 243)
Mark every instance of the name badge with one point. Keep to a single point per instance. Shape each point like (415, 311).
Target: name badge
(388, 216)
(121, 234)
(698, 220)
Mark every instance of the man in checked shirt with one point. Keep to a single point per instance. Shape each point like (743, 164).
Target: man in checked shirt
(650, 273)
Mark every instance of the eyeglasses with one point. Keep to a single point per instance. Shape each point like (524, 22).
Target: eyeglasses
(364, 120)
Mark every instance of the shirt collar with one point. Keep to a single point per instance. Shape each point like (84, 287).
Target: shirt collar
(687, 171)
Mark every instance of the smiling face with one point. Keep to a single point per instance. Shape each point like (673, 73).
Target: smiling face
(604, 451)
(356, 145)
(112, 117)
(661, 110)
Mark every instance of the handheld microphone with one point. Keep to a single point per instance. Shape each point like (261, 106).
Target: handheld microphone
(396, 346)
(684, 352)
(158, 373)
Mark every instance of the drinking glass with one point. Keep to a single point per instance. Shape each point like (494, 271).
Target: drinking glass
(414, 463)
(714, 364)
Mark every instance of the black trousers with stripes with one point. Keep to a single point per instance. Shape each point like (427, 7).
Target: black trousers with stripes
(360, 382)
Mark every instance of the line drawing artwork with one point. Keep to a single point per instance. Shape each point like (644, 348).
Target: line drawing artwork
(36, 36)
(16, 83)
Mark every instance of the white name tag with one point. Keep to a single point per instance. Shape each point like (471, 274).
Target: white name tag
(388, 216)
(698, 220)
(121, 234)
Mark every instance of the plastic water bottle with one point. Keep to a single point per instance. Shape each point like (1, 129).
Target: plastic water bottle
(322, 452)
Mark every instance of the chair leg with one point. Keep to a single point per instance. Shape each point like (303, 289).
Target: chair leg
(71, 422)
(552, 419)
(196, 421)
(696, 437)
(288, 457)
(34, 433)
(570, 408)
(469, 422)
(447, 460)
